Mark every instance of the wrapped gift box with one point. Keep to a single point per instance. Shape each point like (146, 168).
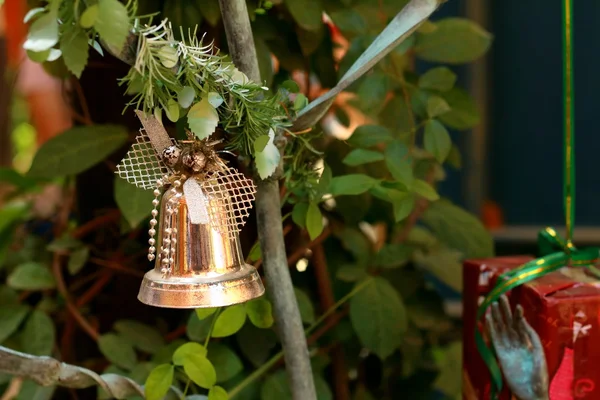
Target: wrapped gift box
(562, 307)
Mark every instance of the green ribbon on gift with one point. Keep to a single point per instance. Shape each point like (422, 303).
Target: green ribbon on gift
(557, 252)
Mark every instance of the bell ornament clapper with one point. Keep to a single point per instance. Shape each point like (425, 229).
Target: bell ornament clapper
(197, 264)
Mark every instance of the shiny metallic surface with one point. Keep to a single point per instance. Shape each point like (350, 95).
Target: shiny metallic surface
(206, 267)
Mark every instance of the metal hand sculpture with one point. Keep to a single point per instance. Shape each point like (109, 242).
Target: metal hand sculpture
(519, 351)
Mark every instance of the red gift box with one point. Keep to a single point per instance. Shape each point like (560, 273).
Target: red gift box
(563, 310)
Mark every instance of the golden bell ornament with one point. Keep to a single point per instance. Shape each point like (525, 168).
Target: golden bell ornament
(199, 264)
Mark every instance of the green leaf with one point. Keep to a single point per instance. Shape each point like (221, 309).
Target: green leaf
(112, 22)
(393, 255)
(350, 22)
(277, 387)
(32, 391)
(291, 86)
(118, 350)
(14, 178)
(186, 96)
(370, 135)
(230, 321)
(168, 56)
(459, 229)
(31, 276)
(227, 364)
(455, 41)
(31, 13)
(463, 114)
(265, 62)
(300, 102)
(449, 379)
(307, 13)
(186, 350)
(203, 119)
(255, 252)
(77, 260)
(159, 381)
(133, 202)
(398, 161)
(403, 204)
(424, 189)
(299, 214)
(261, 142)
(436, 106)
(351, 184)
(379, 317)
(362, 156)
(76, 150)
(372, 93)
(356, 243)
(38, 57)
(65, 242)
(439, 78)
(267, 160)
(142, 336)
(205, 312)
(8, 296)
(200, 370)
(197, 330)
(256, 344)
(307, 311)
(454, 158)
(43, 33)
(437, 140)
(444, 263)
(88, 17)
(217, 393)
(351, 273)
(11, 317)
(324, 182)
(260, 312)
(74, 48)
(38, 335)
(215, 99)
(314, 221)
(211, 12)
(172, 110)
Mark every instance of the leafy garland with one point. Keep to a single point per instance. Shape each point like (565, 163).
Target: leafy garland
(182, 79)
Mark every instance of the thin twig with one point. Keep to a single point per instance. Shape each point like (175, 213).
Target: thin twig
(116, 266)
(94, 224)
(82, 102)
(301, 251)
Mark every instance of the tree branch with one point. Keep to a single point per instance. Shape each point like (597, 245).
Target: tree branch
(270, 224)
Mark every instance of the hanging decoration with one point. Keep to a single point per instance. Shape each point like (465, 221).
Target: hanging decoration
(198, 261)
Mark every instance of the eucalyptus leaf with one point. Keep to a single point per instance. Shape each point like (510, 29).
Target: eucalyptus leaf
(215, 99)
(186, 96)
(112, 22)
(31, 276)
(74, 48)
(132, 201)
(11, 317)
(159, 381)
(168, 56)
(142, 336)
(455, 41)
(200, 370)
(260, 312)
(437, 140)
(76, 150)
(39, 334)
(230, 321)
(172, 110)
(314, 221)
(32, 13)
(379, 317)
(117, 350)
(227, 364)
(261, 142)
(203, 119)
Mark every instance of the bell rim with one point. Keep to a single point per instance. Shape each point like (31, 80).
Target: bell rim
(205, 292)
